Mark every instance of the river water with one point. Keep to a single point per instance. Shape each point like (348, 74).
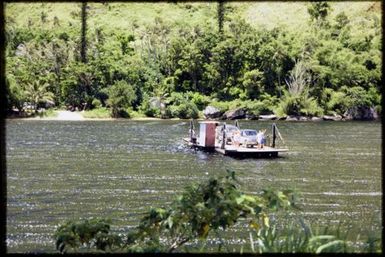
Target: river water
(60, 170)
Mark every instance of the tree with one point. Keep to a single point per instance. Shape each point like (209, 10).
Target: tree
(191, 63)
(252, 83)
(77, 84)
(318, 10)
(296, 99)
(224, 68)
(120, 96)
(15, 94)
(83, 49)
(124, 41)
(36, 92)
(298, 79)
(192, 54)
(220, 16)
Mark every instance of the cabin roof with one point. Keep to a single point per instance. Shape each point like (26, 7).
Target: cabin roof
(208, 121)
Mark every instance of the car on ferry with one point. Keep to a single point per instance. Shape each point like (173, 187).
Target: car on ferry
(230, 131)
(248, 137)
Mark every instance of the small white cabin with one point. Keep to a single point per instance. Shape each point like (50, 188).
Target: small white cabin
(207, 133)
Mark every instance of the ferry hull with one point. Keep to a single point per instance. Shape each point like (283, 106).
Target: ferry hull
(230, 150)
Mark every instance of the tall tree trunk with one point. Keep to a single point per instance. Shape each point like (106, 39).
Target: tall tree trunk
(221, 16)
(195, 80)
(3, 112)
(83, 49)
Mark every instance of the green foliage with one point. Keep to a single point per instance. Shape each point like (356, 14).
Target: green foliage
(293, 234)
(221, 15)
(147, 109)
(252, 83)
(16, 95)
(298, 237)
(187, 55)
(357, 96)
(335, 101)
(135, 114)
(222, 106)
(47, 113)
(201, 101)
(179, 105)
(87, 234)
(36, 92)
(76, 84)
(96, 103)
(298, 105)
(121, 95)
(319, 10)
(184, 110)
(18, 36)
(265, 105)
(99, 112)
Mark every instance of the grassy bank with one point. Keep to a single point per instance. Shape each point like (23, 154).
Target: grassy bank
(98, 113)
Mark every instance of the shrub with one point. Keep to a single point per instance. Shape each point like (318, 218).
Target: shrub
(96, 103)
(99, 113)
(358, 96)
(336, 101)
(135, 114)
(48, 113)
(297, 105)
(258, 107)
(186, 110)
(120, 96)
(255, 107)
(310, 107)
(180, 106)
(378, 109)
(222, 106)
(201, 101)
(147, 110)
(122, 113)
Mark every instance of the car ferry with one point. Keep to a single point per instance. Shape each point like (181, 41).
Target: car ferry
(231, 140)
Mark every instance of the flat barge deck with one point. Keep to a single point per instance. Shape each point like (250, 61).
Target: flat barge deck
(232, 150)
(266, 151)
(213, 137)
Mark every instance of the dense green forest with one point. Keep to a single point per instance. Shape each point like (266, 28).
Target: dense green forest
(174, 59)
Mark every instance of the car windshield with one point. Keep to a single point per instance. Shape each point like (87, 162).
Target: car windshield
(231, 128)
(250, 133)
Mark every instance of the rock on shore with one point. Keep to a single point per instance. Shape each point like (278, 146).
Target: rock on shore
(210, 112)
(268, 117)
(234, 114)
(334, 117)
(361, 113)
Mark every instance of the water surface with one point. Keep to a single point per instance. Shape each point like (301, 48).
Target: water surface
(60, 170)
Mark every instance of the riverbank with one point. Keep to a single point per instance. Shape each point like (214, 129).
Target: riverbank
(80, 115)
(75, 116)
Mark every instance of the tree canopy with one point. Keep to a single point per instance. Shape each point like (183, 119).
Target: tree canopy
(207, 50)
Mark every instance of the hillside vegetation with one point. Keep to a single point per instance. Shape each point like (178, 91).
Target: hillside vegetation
(173, 59)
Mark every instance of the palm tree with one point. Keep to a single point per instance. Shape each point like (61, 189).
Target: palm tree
(37, 92)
